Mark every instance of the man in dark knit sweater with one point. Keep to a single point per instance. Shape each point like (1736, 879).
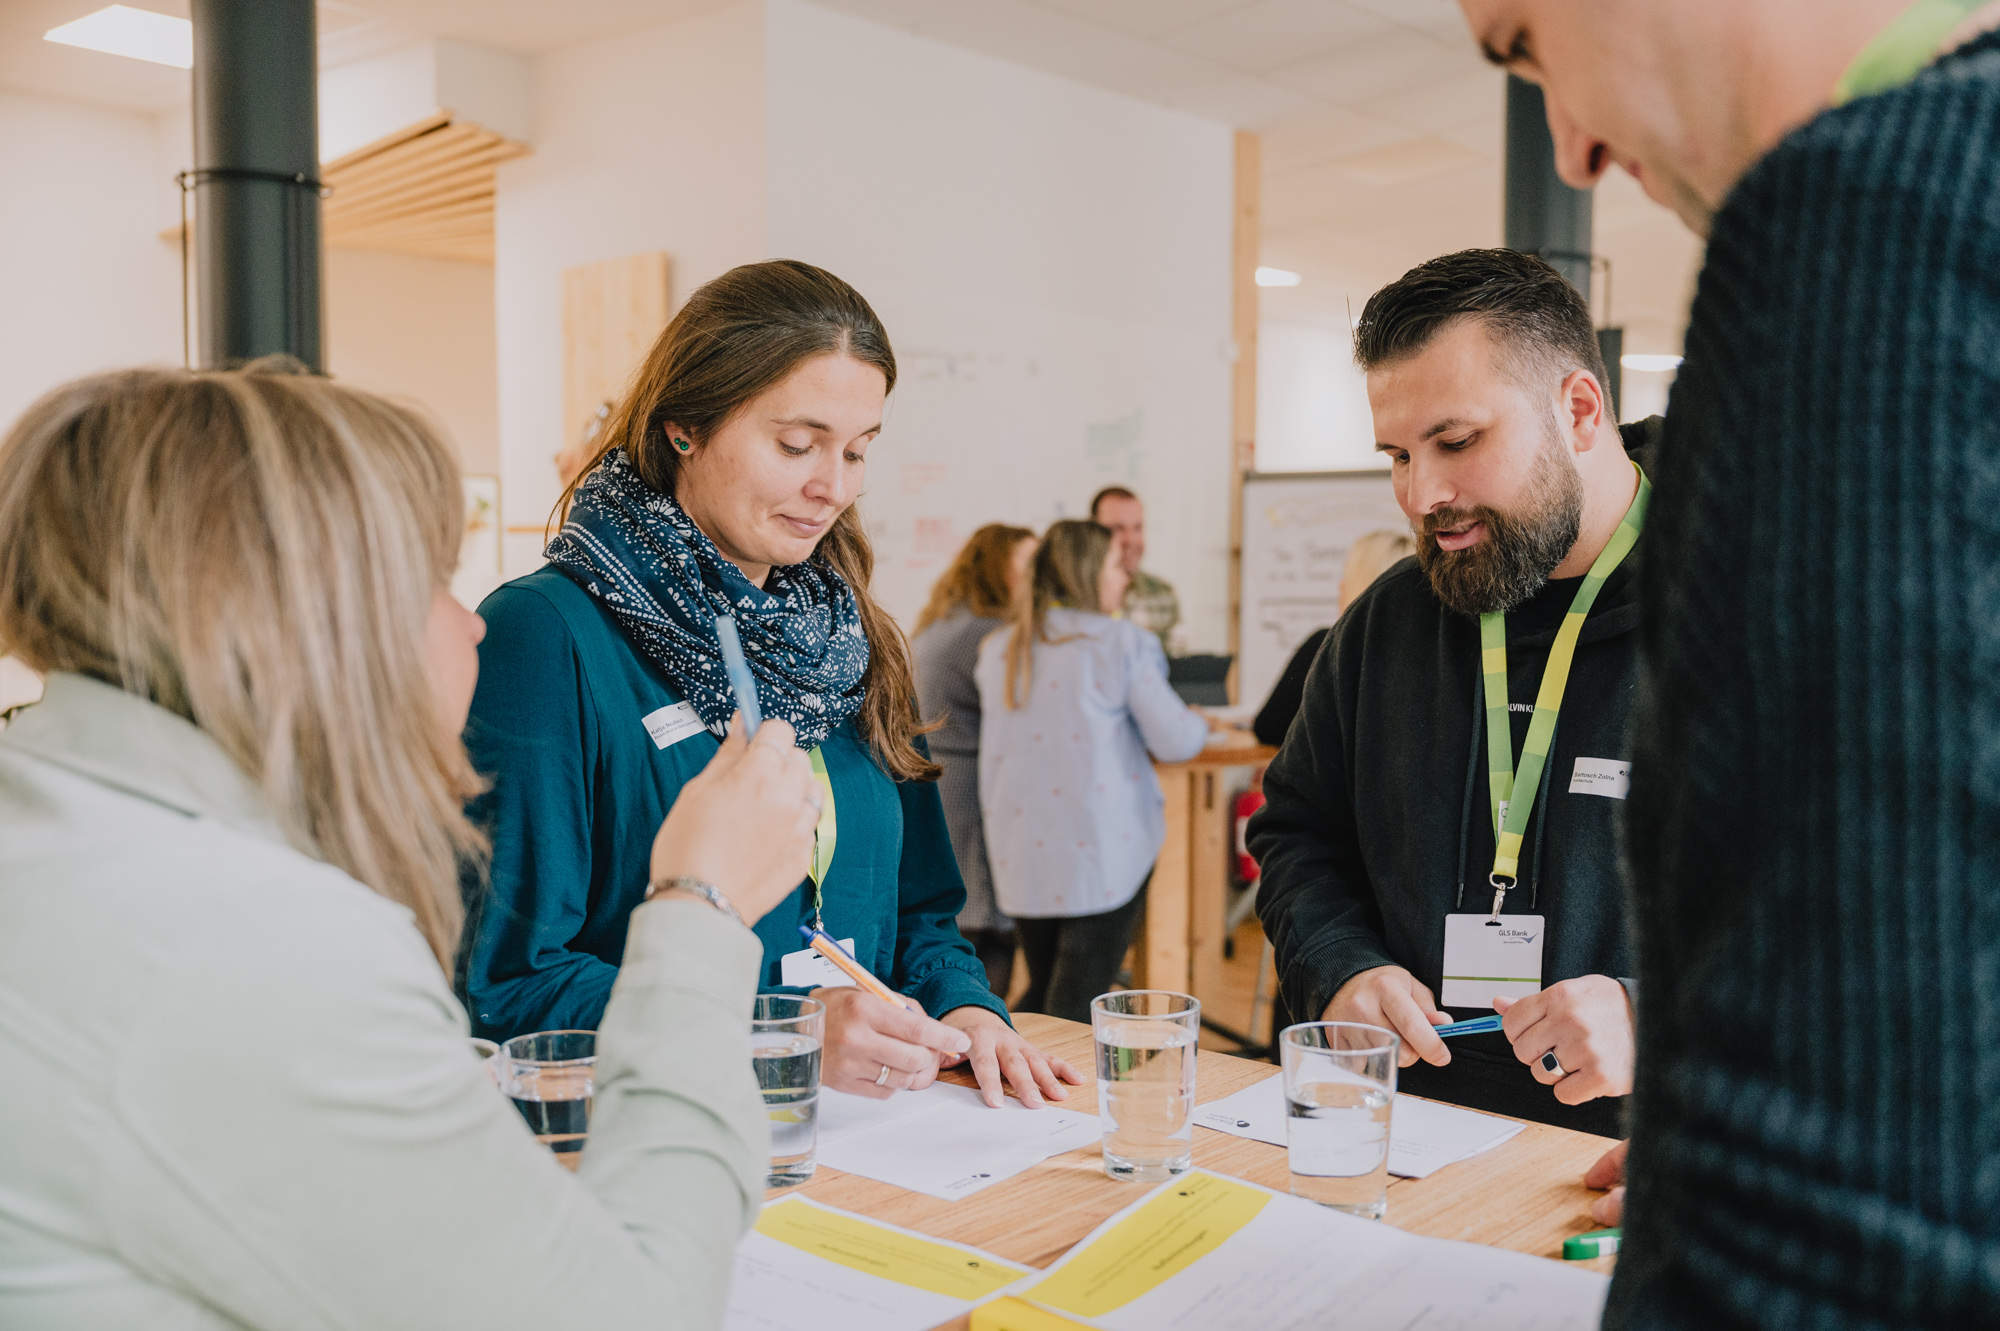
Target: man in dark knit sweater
(1378, 840)
(1814, 821)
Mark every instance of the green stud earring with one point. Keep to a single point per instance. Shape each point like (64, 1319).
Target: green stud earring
(683, 445)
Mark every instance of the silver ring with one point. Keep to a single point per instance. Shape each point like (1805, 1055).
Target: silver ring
(1552, 1065)
(882, 1078)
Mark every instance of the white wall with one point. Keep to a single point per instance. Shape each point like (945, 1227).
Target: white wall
(1312, 401)
(651, 141)
(1052, 264)
(86, 283)
(362, 100)
(420, 329)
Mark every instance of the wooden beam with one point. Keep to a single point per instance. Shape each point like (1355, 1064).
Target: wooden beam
(1247, 245)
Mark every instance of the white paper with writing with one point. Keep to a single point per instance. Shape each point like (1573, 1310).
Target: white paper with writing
(1424, 1135)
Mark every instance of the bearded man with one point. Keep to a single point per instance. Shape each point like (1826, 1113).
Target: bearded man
(1434, 847)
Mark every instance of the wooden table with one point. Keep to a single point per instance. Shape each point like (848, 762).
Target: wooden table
(1527, 1195)
(1181, 939)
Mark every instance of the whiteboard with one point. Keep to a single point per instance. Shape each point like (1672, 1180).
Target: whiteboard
(1297, 527)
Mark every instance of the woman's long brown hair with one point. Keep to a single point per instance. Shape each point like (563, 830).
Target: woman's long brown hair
(1064, 574)
(977, 578)
(736, 337)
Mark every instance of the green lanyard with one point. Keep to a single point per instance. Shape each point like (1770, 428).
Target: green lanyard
(824, 836)
(1901, 50)
(1510, 816)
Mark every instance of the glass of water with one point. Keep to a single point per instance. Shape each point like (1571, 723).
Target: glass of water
(551, 1077)
(1340, 1085)
(1145, 1081)
(786, 1031)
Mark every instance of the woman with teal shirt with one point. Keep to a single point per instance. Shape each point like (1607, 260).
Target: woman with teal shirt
(725, 484)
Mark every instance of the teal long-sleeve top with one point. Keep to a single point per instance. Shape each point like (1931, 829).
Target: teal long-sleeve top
(579, 787)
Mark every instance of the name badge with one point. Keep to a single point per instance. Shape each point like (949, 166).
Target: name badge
(670, 725)
(1486, 959)
(807, 969)
(1601, 776)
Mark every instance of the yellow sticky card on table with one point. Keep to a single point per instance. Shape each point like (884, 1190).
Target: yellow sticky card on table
(879, 1250)
(1186, 1222)
(1012, 1314)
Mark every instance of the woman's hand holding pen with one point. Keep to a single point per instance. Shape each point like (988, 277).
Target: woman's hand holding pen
(865, 1035)
(745, 822)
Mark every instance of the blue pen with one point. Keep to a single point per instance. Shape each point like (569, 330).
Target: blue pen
(1475, 1026)
(740, 678)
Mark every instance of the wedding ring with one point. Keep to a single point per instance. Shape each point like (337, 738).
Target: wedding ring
(882, 1078)
(1552, 1065)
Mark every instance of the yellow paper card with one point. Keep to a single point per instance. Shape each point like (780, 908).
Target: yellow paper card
(878, 1251)
(1185, 1223)
(1012, 1314)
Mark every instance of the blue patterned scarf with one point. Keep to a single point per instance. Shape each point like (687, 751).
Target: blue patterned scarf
(637, 551)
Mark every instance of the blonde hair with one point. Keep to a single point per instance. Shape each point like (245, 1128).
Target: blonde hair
(977, 578)
(1369, 558)
(1065, 574)
(257, 550)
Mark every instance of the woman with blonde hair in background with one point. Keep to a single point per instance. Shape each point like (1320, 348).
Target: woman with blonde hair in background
(1367, 559)
(231, 839)
(970, 601)
(1074, 708)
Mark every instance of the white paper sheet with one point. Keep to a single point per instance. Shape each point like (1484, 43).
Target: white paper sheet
(1424, 1135)
(944, 1141)
(1296, 1264)
(880, 1277)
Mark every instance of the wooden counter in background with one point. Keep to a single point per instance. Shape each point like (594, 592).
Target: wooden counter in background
(1180, 942)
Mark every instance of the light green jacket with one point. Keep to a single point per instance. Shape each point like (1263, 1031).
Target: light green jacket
(239, 1091)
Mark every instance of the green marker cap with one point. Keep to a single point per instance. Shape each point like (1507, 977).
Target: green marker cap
(1597, 1243)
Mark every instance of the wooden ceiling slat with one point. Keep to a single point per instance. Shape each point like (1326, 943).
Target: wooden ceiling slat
(435, 120)
(426, 189)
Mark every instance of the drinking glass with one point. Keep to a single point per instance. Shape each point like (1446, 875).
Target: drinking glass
(551, 1077)
(1340, 1086)
(786, 1031)
(1145, 1081)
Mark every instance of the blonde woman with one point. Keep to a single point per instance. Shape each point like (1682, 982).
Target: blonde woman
(1367, 559)
(231, 835)
(970, 601)
(1074, 706)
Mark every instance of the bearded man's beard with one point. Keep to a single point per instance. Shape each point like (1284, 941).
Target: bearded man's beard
(1520, 549)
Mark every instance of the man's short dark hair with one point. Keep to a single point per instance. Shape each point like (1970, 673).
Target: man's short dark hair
(1108, 492)
(1538, 320)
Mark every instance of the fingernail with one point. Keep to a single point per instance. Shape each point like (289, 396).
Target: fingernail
(1061, 1093)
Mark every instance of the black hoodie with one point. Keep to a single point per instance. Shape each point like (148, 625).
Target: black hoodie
(1378, 820)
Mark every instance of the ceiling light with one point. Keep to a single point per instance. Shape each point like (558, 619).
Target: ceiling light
(1650, 364)
(139, 33)
(1276, 277)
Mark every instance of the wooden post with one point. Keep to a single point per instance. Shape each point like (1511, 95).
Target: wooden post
(1249, 221)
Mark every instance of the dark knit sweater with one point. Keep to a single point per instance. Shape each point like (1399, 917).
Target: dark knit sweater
(1814, 821)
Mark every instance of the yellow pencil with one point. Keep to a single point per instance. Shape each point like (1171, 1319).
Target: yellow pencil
(824, 944)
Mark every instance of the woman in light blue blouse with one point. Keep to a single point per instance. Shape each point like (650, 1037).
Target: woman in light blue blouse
(1072, 703)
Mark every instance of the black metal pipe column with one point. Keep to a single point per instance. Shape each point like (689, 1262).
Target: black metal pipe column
(256, 179)
(1546, 217)
(1543, 216)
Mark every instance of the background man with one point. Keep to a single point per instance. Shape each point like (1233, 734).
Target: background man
(1378, 840)
(1149, 601)
(1815, 807)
